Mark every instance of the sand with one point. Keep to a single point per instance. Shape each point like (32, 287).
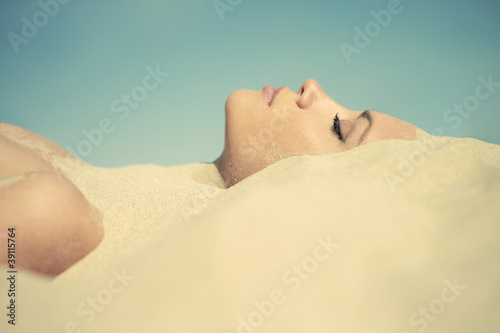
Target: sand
(393, 236)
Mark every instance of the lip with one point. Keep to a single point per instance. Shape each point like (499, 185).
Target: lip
(270, 94)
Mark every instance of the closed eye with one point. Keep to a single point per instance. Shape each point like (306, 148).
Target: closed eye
(336, 127)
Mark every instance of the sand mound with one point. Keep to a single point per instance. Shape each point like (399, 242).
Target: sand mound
(394, 236)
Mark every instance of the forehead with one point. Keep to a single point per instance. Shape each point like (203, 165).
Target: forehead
(388, 127)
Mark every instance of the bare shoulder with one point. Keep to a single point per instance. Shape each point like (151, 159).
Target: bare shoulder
(53, 220)
(56, 223)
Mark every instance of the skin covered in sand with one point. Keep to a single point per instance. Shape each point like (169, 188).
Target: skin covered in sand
(55, 225)
(60, 225)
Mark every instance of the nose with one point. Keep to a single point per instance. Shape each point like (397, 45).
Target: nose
(309, 92)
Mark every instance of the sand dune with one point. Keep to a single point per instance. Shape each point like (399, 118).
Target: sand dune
(394, 236)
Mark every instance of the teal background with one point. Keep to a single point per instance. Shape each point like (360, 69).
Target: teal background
(64, 80)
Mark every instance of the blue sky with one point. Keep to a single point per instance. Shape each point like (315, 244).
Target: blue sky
(62, 77)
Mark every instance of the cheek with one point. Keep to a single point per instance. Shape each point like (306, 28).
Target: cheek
(261, 137)
(309, 135)
(275, 137)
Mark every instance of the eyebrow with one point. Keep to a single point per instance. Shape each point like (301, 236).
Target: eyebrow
(367, 115)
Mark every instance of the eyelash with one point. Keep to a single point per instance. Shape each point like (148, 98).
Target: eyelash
(336, 127)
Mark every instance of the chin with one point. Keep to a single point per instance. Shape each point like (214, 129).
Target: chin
(241, 99)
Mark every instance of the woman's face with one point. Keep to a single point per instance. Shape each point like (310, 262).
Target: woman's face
(265, 126)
